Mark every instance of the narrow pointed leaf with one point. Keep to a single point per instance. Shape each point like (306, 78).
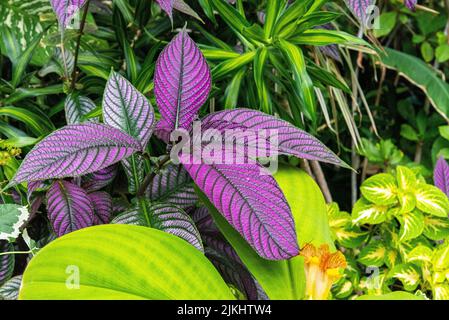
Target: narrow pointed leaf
(76, 150)
(441, 175)
(76, 107)
(173, 185)
(183, 7)
(167, 6)
(69, 207)
(252, 203)
(65, 10)
(102, 205)
(165, 217)
(291, 140)
(182, 82)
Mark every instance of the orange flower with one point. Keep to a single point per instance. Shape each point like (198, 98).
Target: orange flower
(322, 270)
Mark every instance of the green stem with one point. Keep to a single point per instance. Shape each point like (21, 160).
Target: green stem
(15, 252)
(78, 44)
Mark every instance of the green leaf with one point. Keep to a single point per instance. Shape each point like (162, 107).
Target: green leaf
(442, 53)
(285, 25)
(420, 74)
(12, 218)
(303, 83)
(262, 90)
(408, 274)
(373, 254)
(321, 37)
(380, 189)
(271, 14)
(431, 200)
(230, 65)
(420, 254)
(387, 21)
(397, 295)
(406, 178)
(436, 228)
(366, 212)
(22, 62)
(444, 132)
(427, 51)
(121, 262)
(440, 258)
(412, 225)
(233, 89)
(230, 15)
(342, 229)
(441, 292)
(409, 133)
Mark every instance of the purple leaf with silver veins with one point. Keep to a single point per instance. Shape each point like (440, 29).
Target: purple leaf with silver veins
(65, 10)
(360, 8)
(252, 203)
(99, 179)
(165, 217)
(102, 203)
(173, 185)
(441, 175)
(291, 140)
(76, 150)
(6, 261)
(182, 82)
(180, 5)
(69, 207)
(76, 107)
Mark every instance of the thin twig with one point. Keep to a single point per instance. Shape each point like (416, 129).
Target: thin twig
(321, 180)
(78, 44)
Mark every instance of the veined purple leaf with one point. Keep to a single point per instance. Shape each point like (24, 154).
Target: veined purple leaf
(35, 186)
(102, 203)
(291, 140)
(98, 180)
(441, 175)
(331, 50)
(253, 204)
(360, 8)
(76, 107)
(127, 109)
(119, 205)
(222, 255)
(6, 261)
(69, 207)
(163, 130)
(65, 10)
(173, 185)
(180, 5)
(411, 4)
(10, 290)
(76, 150)
(182, 82)
(166, 217)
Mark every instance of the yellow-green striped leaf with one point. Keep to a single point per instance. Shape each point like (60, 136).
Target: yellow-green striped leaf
(367, 212)
(380, 189)
(412, 225)
(431, 200)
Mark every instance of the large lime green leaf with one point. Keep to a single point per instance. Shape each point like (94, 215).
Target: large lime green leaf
(285, 279)
(420, 254)
(397, 295)
(121, 262)
(422, 75)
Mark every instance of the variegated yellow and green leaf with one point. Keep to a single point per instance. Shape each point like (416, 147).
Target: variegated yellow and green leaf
(406, 178)
(392, 258)
(436, 228)
(407, 200)
(420, 254)
(431, 200)
(441, 292)
(366, 212)
(440, 258)
(343, 289)
(380, 189)
(412, 225)
(373, 255)
(408, 274)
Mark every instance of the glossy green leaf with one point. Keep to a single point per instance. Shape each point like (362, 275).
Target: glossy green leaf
(121, 262)
(412, 225)
(373, 254)
(431, 200)
(367, 212)
(380, 189)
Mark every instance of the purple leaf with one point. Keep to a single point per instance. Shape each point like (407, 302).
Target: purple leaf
(360, 8)
(167, 6)
(66, 9)
(331, 50)
(180, 5)
(411, 4)
(166, 217)
(69, 207)
(291, 140)
(441, 175)
(100, 179)
(127, 109)
(102, 203)
(6, 261)
(76, 107)
(182, 82)
(253, 204)
(173, 185)
(76, 150)
(10, 290)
